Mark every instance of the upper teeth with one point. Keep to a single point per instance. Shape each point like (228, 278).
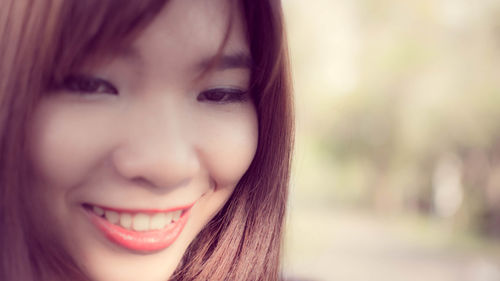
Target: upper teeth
(139, 221)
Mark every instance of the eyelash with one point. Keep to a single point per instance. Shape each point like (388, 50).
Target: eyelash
(86, 85)
(91, 85)
(222, 95)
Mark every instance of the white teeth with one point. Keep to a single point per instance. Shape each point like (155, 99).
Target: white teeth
(168, 217)
(126, 220)
(112, 216)
(176, 215)
(98, 211)
(141, 222)
(158, 221)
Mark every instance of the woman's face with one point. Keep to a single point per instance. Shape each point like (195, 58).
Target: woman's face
(133, 157)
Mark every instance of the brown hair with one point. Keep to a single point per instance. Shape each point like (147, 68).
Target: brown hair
(43, 40)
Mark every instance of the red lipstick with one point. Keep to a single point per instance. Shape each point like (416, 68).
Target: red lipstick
(142, 241)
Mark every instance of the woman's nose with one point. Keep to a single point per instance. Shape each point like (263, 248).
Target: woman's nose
(156, 151)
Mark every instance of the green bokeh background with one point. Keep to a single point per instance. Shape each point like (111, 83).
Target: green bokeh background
(397, 164)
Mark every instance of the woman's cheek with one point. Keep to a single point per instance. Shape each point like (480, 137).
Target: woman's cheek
(67, 141)
(228, 145)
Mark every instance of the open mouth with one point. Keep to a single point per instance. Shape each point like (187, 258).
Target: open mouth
(139, 230)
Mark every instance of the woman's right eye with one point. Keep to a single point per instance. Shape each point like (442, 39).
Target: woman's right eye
(88, 85)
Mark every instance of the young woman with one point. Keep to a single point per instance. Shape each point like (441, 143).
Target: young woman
(143, 140)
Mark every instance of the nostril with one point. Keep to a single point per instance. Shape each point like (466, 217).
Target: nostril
(142, 181)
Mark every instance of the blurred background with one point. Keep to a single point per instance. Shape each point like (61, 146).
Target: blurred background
(397, 163)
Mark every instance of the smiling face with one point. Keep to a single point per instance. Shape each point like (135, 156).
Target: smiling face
(133, 157)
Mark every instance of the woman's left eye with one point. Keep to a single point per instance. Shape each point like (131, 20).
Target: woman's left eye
(222, 95)
(88, 85)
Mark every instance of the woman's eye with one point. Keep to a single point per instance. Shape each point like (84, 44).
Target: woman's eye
(88, 85)
(222, 95)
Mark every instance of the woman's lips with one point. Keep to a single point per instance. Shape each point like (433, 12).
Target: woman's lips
(139, 230)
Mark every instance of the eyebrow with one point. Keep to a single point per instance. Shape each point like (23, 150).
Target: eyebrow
(227, 61)
(224, 62)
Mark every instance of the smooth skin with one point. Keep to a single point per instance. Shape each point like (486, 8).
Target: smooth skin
(144, 131)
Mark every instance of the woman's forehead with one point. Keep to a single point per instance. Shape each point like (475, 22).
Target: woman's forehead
(189, 33)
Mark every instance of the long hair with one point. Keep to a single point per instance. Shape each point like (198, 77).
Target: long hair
(42, 40)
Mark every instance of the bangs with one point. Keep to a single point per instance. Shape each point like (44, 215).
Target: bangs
(94, 29)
